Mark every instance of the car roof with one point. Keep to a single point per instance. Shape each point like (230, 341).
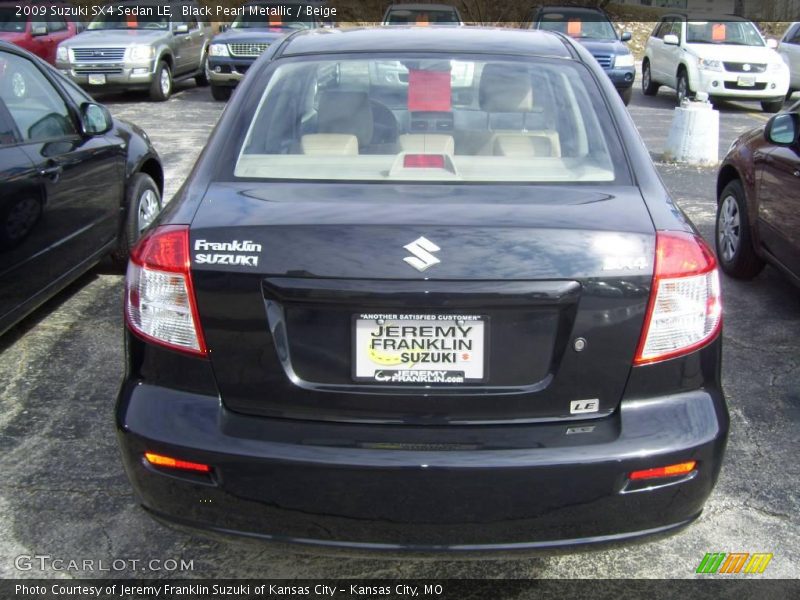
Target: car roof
(704, 17)
(418, 6)
(476, 40)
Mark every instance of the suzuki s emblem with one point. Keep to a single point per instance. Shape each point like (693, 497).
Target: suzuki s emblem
(746, 68)
(422, 248)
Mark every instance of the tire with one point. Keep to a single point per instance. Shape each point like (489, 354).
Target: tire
(626, 95)
(143, 203)
(161, 87)
(682, 87)
(773, 106)
(221, 93)
(732, 236)
(201, 79)
(649, 87)
(17, 220)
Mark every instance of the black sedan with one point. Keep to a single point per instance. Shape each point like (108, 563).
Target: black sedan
(75, 184)
(758, 200)
(424, 300)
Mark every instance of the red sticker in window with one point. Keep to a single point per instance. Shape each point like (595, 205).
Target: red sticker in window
(718, 32)
(574, 28)
(131, 21)
(429, 90)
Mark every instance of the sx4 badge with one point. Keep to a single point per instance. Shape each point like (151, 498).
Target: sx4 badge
(244, 254)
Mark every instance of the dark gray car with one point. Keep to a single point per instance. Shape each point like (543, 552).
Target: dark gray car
(138, 52)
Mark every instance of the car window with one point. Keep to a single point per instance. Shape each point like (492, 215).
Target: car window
(422, 17)
(431, 119)
(76, 94)
(794, 36)
(56, 24)
(38, 110)
(10, 22)
(578, 25)
(8, 130)
(737, 33)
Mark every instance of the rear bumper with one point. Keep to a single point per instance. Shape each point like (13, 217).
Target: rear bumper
(384, 488)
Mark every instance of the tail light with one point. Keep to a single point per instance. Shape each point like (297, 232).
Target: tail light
(660, 472)
(685, 311)
(160, 304)
(159, 460)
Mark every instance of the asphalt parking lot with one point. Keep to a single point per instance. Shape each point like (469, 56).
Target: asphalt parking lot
(64, 493)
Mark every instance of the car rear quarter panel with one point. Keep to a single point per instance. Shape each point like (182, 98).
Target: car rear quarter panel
(740, 164)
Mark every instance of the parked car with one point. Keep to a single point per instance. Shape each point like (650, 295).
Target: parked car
(119, 52)
(789, 49)
(75, 183)
(758, 196)
(439, 303)
(726, 59)
(594, 30)
(422, 15)
(234, 50)
(31, 25)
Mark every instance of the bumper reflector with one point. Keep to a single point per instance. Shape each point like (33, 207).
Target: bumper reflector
(660, 472)
(173, 463)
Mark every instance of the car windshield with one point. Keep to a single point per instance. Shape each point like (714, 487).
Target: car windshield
(420, 17)
(254, 17)
(579, 25)
(430, 119)
(10, 22)
(738, 33)
(117, 21)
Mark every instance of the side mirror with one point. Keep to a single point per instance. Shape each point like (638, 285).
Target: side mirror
(783, 129)
(672, 40)
(38, 29)
(626, 36)
(772, 43)
(182, 28)
(95, 119)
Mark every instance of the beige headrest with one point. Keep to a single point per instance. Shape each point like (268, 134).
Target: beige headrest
(346, 112)
(522, 146)
(506, 88)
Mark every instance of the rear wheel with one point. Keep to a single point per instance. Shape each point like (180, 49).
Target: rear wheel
(626, 95)
(734, 244)
(161, 87)
(143, 202)
(649, 87)
(682, 87)
(772, 106)
(220, 93)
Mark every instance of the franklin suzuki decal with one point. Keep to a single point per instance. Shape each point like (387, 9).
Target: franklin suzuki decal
(227, 253)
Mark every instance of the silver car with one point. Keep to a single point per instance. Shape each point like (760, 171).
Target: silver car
(139, 45)
(789, 50)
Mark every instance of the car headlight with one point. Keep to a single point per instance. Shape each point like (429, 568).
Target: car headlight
(218, 50)
(141, 52)
(623, 60)
(62, 54)
(709, 65)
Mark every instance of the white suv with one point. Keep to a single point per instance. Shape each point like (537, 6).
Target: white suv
(727, 59)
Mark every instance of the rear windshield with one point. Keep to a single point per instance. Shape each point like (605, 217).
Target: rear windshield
(422, 17)
(579, 25)
(431, 119)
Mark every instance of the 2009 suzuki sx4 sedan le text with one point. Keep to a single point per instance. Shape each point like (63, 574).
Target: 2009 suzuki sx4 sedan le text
(424, 300)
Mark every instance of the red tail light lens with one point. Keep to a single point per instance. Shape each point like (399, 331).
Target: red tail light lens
(668, 471)
(160, 304)
(159, 460)
(685, 311)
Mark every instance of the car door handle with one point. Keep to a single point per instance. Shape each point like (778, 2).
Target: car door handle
(53, 171)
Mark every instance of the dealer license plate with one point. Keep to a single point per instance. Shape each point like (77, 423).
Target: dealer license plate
(746, 80)
(396, 349)
(97, 79)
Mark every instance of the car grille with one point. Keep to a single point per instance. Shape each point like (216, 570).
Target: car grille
(736, 67)
(247, 49)
(732, 85)
(98, 54)
(606, 60)
(99, 71)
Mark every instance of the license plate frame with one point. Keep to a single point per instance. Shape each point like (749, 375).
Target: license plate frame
(97, 79)
(475, 370)
(746, 81)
